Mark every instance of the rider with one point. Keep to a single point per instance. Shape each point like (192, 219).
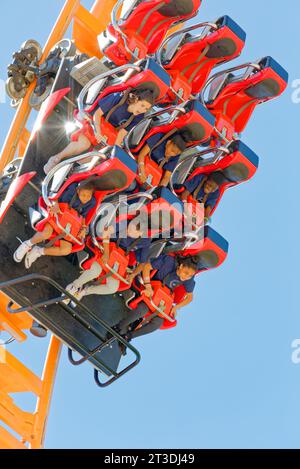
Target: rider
(123, 110)
(78, 196)
(165, 152)
(204, 188)
(172, 272)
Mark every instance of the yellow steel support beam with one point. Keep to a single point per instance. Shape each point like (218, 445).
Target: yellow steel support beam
(16, 378)
(14, 324)
(19, 421)
(8, 441)
(44, 400)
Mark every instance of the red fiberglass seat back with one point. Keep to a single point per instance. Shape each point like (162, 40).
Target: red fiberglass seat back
(143, 29)
(195, 56)
(110, 176)
(232, 99)
(237, 167)
(212, 252)
(196, 125)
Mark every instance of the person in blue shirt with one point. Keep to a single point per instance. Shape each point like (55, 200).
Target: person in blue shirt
(172, 272)
(165, 152)
(203, 188)
(123, 110)
(80, 197)
(133, 241)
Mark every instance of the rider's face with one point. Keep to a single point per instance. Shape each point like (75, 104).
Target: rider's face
(85, 195)
(210, 186)
(185, 273)
(172, 149)
(139, 107)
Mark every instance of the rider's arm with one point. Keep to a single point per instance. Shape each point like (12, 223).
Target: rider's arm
(97, 120)
(184, 195)
(120, 137)
(146, 278)
(106, 235)
(165, 179)
(141, 159)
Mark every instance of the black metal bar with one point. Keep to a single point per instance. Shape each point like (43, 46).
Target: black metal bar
(116, 336)
(112, 380)
(53, 301)
(98, 349)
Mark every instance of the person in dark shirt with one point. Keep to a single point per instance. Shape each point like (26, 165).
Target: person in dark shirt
(123, 110)
(133, 241)
(203, 188)
(165, 152)
(172, 272)
(81, 198)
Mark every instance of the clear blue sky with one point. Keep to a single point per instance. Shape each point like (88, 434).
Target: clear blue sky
(224, 378)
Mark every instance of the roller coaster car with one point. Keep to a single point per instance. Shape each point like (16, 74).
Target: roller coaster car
(235, 164)
(232, 99)
(211, 251)
(195, 124)
(142, 28)
(144, 74)
(164, 212)
(88, 330)
(110, 176)
(189, 59)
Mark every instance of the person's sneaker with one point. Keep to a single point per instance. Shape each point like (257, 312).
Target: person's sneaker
(78, 293)
(72, 289)
(52, 162)
(32, 256)
(38, 330)
(22, 250)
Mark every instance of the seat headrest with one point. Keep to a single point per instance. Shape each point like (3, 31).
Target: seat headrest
(177, 8)
(267, 88)
(192, 132)
(207, 259)
(221, 48)
(114, 179)
(236, 173)
(150, 85)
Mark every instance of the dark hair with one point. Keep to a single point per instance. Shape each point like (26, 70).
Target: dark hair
(189, 261)
(86, 186)
(141, 95)
(178, 141)
(217, 177)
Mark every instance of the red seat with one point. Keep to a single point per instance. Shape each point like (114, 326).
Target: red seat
(113, 175)
(118, 262)
(232, 99)
(151, 76)
(212, 250)
(144, 29)
(162, 298)
(166, 209)
(237, 167)
(196, 126)
(196, 56)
